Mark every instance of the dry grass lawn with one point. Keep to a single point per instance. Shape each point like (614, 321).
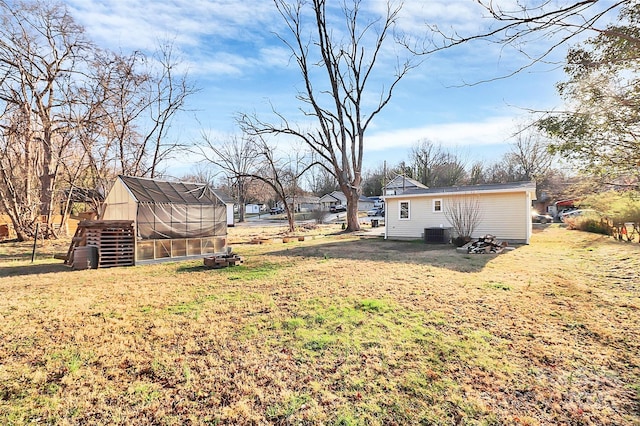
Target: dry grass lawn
(340, 330)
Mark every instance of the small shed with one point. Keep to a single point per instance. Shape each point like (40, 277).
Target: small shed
(230, 204)
(171, 219)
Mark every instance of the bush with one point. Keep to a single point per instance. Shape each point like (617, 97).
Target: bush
(618, 206)
(317, 215)
(589, 224)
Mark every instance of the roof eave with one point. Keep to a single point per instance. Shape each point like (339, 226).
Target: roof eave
(529, 189)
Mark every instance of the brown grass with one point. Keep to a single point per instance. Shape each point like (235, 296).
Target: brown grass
(335, 330)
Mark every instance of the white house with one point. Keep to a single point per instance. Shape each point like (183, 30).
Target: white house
(338, 198)
(252, 208)
(505, 210)
(400, 184)
(304, 203)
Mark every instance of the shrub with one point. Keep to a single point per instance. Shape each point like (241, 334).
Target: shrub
(318, 215)
(619, 206)
(464, 215)
(590, 224)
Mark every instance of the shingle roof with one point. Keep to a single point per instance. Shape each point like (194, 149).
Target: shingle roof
(339, 196)
(403, 182)
(524, 186)
(223, 196)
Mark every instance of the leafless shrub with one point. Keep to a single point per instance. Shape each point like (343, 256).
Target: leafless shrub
(463, 213)
(318, 215)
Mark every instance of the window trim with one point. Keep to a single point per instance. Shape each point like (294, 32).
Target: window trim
(408, 202)
(433, 205)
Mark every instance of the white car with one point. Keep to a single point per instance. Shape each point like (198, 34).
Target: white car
(576, 213)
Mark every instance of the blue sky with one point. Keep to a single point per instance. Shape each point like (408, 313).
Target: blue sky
(231, 53)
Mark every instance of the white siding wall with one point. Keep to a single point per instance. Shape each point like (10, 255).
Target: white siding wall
(230, 218)
(363, 206)
(505, 215)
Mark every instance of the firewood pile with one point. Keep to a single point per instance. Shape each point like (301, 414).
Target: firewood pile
(220, 261)
(486, 245)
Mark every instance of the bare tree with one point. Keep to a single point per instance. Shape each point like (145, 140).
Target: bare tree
(501, 171)
(320, 181)
(464, 215)
(425, 156)
(476, 174)
(524, 24)
(530, 154)
(168, 93)
(282, 172)
(202, 173)
(435, 166)
(337, 66)
(238, 158)
(138, 96)
(69, 111)
(40, 45)
(248, 159)
(527, 159)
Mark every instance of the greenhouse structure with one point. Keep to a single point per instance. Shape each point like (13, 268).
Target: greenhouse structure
(171, 219)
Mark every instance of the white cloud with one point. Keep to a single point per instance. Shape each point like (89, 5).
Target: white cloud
(491, 131)
(137, 25)
(232, 42)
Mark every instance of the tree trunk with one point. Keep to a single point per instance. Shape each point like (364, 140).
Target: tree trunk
(241, 200)
(291, 218)
(353, 223)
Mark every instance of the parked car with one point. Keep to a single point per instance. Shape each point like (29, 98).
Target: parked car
(338, 208)
(541, 218)
(576, 213)
(375, 212)
(276, 210)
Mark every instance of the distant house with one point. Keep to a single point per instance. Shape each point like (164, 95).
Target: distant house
(377, 201)
(505, 210)
(304, 203)
(252, 208)
(332, 199)
(338, 198)
(400, 184)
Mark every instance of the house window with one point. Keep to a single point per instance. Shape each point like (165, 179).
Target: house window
(404, 210)
(437, 206)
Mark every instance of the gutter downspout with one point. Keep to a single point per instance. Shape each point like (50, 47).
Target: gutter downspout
(529, 219)
(386, 228)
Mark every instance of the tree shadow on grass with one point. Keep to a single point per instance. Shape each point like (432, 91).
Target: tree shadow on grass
(8, 270)
(413, 252)
(187, 268)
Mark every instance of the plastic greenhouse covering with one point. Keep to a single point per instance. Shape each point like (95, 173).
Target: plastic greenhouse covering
(171, 210)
